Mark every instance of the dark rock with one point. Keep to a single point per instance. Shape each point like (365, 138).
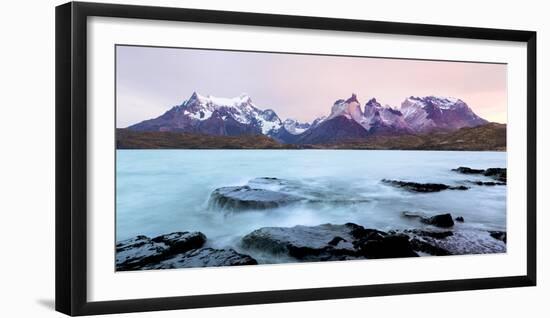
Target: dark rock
(459, 219)
(174, 250)
(138, 251)
(499, 235)
(328, 242)
(441, 220)
(308, 243)
(247, 198)
(467, 170)
(358, 232)
(462, 242)
(423, 187)
(270, 192)
(391, 246)
(180, 242)
(496, 173)
(461, 187)
(204, 257)
(336, 240)
(434, 234)
(487, 183)
(425, 247)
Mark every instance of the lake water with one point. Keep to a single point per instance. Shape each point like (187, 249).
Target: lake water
(162, 191)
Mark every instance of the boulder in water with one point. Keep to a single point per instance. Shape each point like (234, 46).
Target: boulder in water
(247, 198)
(440, 220)
(328, 242)
(499, 235)
(498, 174)
(422, 187)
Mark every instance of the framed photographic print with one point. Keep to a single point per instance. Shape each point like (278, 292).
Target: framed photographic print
(209, 158)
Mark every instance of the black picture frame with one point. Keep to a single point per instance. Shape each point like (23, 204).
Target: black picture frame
(71, 157)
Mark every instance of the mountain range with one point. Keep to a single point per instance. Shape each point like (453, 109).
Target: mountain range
(347, 120)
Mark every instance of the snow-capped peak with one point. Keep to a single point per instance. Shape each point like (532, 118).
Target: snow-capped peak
(437, 112)
(220, 101)
(240, 109)
(437, 101)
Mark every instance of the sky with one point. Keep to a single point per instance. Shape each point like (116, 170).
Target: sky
(151, 80)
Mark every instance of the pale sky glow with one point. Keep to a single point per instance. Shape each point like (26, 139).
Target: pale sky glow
(152, 80)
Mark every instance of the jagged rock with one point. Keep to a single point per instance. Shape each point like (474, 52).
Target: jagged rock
(269, 192)
(390, 246)
(496, 173)
(180, 242)
(487, 183)
(467, 170)
(137, 252)
(459, 219)
(313, 243)
(440, 220)
(499, 235)
(204, 257)
(423, 187)
(460, 243)
(248, 198)
(425, 247)
(328, 242)
(434, 234)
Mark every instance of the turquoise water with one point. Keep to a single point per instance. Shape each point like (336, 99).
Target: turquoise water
(161, 191)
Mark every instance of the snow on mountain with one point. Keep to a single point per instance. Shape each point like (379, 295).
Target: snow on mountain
(239, 115)
(317, 121)
(424, 114)
(239, 108)
(215, 116)
(295, 127)
(377, 117)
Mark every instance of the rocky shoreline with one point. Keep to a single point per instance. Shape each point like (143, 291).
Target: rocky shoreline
(437, 234)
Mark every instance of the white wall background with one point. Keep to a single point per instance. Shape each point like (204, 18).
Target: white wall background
(27, 158)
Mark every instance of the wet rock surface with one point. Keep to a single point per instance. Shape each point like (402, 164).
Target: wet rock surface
(325, 242)
(468, 170)
(460, 243)
(487, 183)
(247, 198)
(268, 193)
(204, 257)
(386, 246)
(434, 234)
(422, 187)
(179, 242)
(174, 250)
(499, 235)
(328, 242)
(498, 174)
(138, 251)
(439, 220)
